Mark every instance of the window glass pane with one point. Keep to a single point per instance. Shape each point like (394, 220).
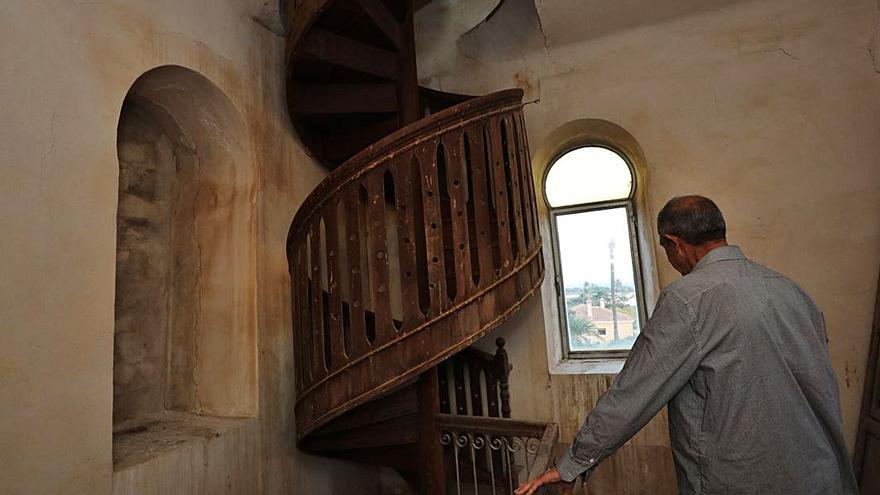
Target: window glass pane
(601, 307)
(588, 175)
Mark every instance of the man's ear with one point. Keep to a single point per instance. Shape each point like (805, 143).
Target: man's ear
(676, 242)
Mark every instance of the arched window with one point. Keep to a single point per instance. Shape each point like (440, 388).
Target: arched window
(589, 192)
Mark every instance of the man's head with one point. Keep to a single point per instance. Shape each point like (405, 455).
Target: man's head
(690, 227)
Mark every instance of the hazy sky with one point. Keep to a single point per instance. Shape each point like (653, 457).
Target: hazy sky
(588, 175)
(583, 247)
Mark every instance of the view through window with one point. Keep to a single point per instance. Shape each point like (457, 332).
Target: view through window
(589, 191)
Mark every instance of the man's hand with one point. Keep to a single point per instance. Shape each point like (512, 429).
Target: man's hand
(551, 476)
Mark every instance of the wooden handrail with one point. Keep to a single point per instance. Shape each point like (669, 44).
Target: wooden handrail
(544, 457)
(409, 252)
(490, 426)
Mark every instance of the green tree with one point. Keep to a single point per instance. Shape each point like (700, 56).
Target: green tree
(581, 328)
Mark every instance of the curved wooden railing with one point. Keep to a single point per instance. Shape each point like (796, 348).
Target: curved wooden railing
(409, 252)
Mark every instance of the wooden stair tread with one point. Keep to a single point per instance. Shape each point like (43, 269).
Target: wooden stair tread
(344, 98)
(401, 430)
(401, 403)
(339, 50)
(404, 458)
(384, 19)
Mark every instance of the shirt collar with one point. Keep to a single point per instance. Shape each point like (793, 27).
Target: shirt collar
(723, 253)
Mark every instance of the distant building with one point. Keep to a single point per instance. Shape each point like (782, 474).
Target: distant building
(603, 319)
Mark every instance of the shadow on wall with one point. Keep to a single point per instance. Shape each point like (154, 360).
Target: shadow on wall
(185, 329)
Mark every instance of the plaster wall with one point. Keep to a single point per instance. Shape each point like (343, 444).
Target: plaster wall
(66, 68)
(769, 107)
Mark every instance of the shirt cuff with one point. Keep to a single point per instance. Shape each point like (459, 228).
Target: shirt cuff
(567, 467)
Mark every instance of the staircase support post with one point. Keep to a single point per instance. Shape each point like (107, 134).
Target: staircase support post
(433, 479)
(408, 81)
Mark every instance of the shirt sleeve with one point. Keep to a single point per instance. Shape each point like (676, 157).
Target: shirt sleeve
(662, 360)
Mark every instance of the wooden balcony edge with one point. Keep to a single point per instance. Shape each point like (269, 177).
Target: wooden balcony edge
(427, 324)
(390, 384)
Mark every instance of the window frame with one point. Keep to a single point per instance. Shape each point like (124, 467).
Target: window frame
(635, 252)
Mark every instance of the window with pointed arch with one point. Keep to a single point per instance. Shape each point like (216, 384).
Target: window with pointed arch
(589, 191)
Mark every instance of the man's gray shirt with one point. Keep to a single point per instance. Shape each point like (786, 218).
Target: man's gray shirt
(740, 355)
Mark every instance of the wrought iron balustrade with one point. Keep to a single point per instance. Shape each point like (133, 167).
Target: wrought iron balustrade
(493, 455)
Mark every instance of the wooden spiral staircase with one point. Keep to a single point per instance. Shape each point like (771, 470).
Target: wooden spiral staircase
(423, 238)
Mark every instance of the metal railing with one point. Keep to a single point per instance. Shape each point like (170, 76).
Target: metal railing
(493, 455)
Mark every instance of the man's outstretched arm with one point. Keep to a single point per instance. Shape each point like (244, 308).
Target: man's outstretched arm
(664, 357)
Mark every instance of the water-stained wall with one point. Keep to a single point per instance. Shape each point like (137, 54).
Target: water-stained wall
(68, 67)
(768, 107)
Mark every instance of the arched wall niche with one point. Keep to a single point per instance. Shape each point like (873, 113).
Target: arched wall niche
(185, 317)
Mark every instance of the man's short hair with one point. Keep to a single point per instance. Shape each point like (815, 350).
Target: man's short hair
(696, 219)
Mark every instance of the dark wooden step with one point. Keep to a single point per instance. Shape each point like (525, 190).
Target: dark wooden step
(401, 403)
(402, 430)
(346, 52)
(384, 19)
(344, 144)
(344, 98)
(404, 458)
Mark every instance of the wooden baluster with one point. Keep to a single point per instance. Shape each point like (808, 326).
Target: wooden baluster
(430, 451)
(299, 303)
(514, 203)
(533, 205)
(293, 266)
(525, 180)
(378, 258)
(458, 380)
(359, 342)
(502, 369)
(513, 178)
(443, 385)
(427, 156)
(317, 294)
(537, 269)
(334, 291)
(306, 330)
(409, 281)
(408, 82)
(476, 388)
(479, 175)
(492, 394)
(500, 192)
(456, 183)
